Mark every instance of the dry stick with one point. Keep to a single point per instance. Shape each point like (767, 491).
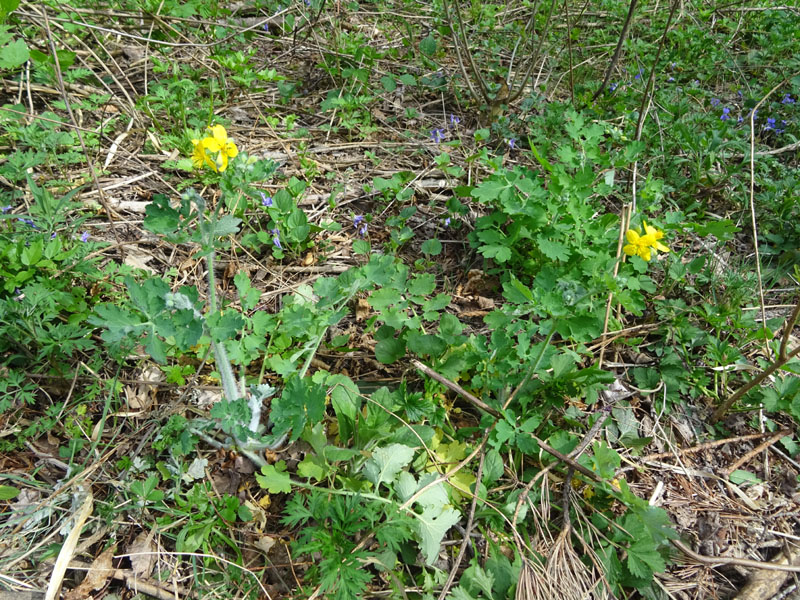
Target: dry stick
(624, 221)
(569, 49)
(89, 162)
(753, 210)
(470, 522)
(777, 364)
(457, 46)
(535, 58)
(762, 446)
(618, 51)
(713, 444)
(724, 560)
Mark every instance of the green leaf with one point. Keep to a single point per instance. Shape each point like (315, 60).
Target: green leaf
(14, 55)
(360, 247)
(490, 190)
(389, 350)
(386, 463)
(553, 250)
(274, 478)
(226, 225)
(388, 83)
(7, 492)
(161, 217)
(407, 79)
(432, 525)
(500, 253)
(432, 247)
(428, 45)
(422, 285)
(302, 401)
(312, 467)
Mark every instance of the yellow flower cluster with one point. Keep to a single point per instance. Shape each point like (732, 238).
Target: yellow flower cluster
(644, 246)
(214, 150)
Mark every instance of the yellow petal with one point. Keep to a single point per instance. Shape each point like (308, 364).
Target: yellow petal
(630, 249)
(645, 253)
(660, 247)
(230, 149)
(632, 236)
(222, 162)
(219, 134)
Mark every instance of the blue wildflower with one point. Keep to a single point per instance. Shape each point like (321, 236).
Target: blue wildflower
(770, 124)
(362, 231)
(437, 135)
(511, 142)
(53, 235)
(787, 99)
(671, 79)
(726, 114)
(447, 222)
(613, 87)
(85, 236)
(266, 200)
(5, 209)
(454, 120)
(27, 222)
(715, 102)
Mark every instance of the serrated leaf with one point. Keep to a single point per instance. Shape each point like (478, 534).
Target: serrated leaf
(386, 463)
(274, 478)
(226, 225)
(14, 54)
(553, 250)
(432, 525)
(428, 45)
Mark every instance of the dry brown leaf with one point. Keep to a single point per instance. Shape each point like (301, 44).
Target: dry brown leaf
(362, 309)
(96, 577)
(141, 554)
(265, 543)
(308, 259)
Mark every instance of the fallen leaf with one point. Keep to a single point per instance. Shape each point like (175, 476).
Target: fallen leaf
(265, 543)
(362, 309)
(98, 574)
(141, 554)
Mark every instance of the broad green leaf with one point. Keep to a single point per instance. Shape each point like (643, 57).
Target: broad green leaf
(428, 45)
(274, 478)
(432, 247)
(432, 525)
(311, 467)
(386, 463)
(14, 55)
(389, 350)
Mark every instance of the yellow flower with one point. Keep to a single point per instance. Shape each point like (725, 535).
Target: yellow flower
(657, 235)
(200, 156)
(638, 245)
(219, 142)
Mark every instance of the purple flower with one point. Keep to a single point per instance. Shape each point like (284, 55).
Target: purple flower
(511, 142)
(266, 200)
(787, 99)
(360, 225)
(454, 120)
(53, 235)
(740, 119)
(725, 114)
(770, 123)
(613, 87)
(671, 79)
(276, 239)
(715, 102)
(357, 219)
(781, 129)
(5, 209)
(362, 231)
(447, 222)
(85, 236)
(639, 74)
(27, 222)
(437, 135)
